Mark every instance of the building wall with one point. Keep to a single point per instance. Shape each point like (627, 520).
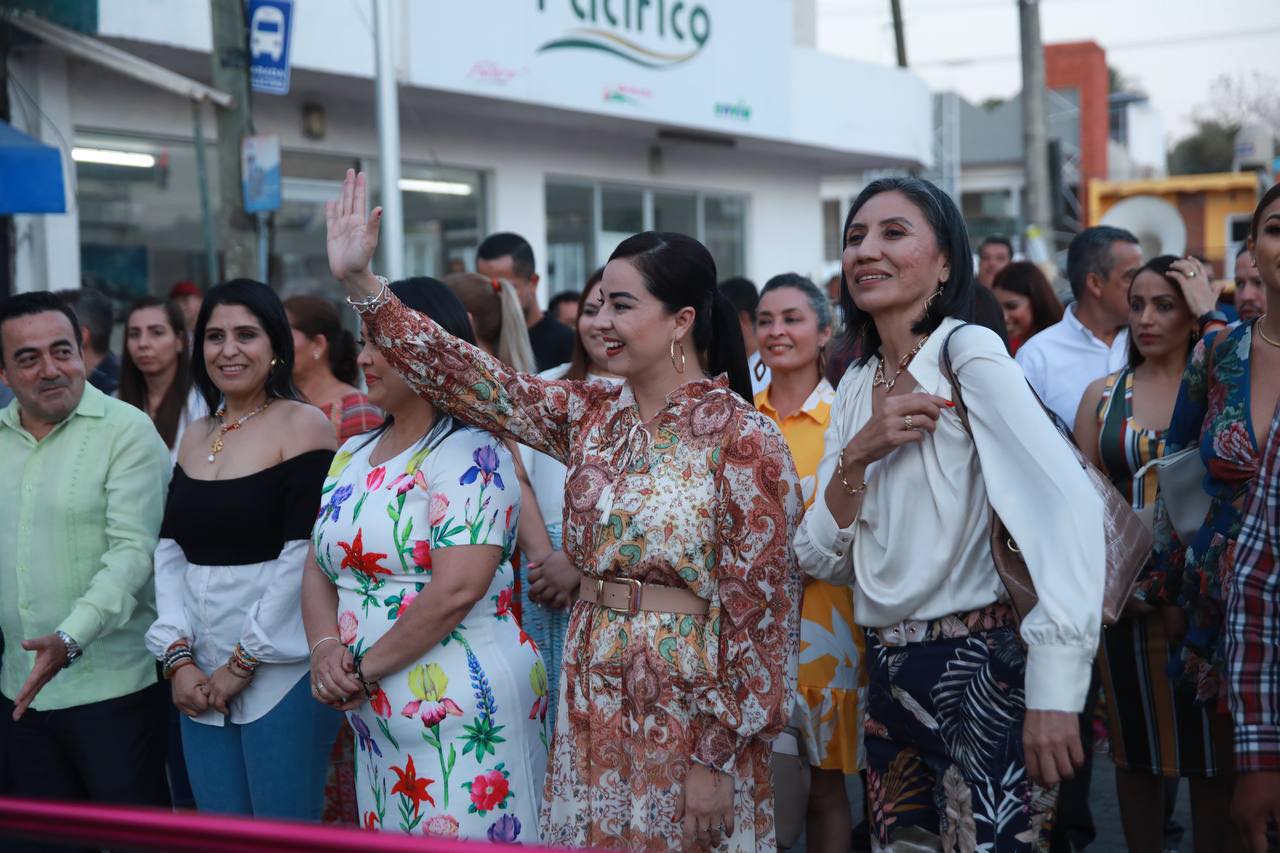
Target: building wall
(1083, 66)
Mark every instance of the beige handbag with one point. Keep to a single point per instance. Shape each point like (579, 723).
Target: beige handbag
(790, 786)
(1128, 541)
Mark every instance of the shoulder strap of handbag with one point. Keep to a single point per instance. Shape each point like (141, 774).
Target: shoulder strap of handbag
(962, 410)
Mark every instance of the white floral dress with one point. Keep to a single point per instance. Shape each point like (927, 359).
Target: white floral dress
(456, 743)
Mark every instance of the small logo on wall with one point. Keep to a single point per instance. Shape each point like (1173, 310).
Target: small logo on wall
(655, 34)
(739, 111)
(624, 94)
(491, 72)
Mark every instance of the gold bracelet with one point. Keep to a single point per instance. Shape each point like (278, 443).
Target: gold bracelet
(849, 490)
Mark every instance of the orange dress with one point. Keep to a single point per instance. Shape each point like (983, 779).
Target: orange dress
(832, 679)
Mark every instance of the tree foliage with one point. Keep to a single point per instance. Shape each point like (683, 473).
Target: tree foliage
(1209, 149)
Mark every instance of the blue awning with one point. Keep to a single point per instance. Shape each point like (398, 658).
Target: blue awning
(30, 175)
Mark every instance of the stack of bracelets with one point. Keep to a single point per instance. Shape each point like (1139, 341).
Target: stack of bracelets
(242, 664)
(177, 656)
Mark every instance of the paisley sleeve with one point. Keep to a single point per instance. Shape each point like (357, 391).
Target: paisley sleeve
(749, 687)
(465, 381)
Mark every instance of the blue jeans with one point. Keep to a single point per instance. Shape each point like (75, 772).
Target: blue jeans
(273, 767)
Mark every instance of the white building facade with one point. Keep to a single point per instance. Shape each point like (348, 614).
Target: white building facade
(572, 122)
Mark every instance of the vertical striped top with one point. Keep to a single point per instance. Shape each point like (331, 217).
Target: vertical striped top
(1124, 445)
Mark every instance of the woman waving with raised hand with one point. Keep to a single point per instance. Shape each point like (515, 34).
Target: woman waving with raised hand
(680, 506)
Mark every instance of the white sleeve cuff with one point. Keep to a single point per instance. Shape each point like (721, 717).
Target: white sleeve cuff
(1058, 678)
(832, 558)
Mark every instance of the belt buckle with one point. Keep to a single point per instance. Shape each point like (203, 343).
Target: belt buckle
(633, 597)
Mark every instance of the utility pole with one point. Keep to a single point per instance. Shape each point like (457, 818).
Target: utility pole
(1035, 124)
(899, 33)
(391, 233)
(231, 74)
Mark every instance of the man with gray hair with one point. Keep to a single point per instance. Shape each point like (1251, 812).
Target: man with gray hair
(1091, 340)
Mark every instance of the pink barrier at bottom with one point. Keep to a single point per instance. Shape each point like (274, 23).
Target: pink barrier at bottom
(165, 830)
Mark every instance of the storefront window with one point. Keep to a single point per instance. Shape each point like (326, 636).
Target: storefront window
(724, 224)
(571, 245)
(141, 228)
(443, 219)
(586, 222)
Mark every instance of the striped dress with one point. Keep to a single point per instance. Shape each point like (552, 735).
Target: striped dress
(1154, 728)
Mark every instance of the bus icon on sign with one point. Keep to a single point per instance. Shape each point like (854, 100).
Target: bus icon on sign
(270, 43)
(266, 33)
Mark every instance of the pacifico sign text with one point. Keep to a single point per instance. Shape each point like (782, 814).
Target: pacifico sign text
(651, 33)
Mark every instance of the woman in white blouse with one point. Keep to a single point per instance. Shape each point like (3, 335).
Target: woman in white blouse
(969, 727)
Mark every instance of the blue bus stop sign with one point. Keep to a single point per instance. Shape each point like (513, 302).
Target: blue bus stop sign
(270, 40)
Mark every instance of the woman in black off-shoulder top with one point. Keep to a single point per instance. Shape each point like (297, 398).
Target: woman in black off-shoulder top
(244, 495)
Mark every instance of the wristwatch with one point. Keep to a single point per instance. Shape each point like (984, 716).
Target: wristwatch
(73, 648)
(1214, 316)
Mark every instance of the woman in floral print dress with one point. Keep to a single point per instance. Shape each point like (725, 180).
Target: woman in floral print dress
(415, 532)
(680, 488)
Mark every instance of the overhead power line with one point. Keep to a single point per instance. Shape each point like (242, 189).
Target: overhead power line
(1144, 44)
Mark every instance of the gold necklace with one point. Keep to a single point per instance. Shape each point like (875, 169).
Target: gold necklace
(224, 428)
(1258, 327)
(878, 379)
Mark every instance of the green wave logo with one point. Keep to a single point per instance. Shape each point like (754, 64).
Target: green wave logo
(604, 41)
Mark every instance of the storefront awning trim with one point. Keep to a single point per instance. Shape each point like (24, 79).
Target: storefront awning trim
(113, 58)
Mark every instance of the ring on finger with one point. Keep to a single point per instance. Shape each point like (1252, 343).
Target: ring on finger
(910, 422)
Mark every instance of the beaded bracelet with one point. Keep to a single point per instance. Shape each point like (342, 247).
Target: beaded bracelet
(242, 663)
(175, 659)
(368, 690)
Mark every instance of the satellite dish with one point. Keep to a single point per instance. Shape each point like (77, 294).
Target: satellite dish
(1155, 222)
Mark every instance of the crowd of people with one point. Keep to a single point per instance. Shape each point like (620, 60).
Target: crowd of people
(660, 566)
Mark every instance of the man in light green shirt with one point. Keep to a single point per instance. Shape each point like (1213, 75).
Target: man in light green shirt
(85, 478)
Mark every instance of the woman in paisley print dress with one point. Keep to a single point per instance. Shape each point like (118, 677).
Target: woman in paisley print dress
(680, 508)
(411, 576)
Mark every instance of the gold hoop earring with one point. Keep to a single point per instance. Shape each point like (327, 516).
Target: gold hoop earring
(928, 303)
(679, 367)
(275, 362)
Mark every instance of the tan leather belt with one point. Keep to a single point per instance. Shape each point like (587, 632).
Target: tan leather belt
(630, 596)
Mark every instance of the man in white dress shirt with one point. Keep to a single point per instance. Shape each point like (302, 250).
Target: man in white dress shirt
(1091, 340)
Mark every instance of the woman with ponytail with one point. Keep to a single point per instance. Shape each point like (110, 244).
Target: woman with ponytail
(496, 318)
(680, 507)
(325, 367)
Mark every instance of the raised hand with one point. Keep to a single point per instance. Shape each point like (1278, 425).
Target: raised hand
(351, 234)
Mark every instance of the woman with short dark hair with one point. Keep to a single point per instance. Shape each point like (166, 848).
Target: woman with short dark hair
(679, 509)
(968, 731)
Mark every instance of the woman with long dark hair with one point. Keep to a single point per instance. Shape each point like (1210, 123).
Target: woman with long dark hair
(228, 569)
(680, 506)
(1029, 303)
(155, 370)
(968, 730)
(1157, 732)
(324, 366)
(415, 638)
